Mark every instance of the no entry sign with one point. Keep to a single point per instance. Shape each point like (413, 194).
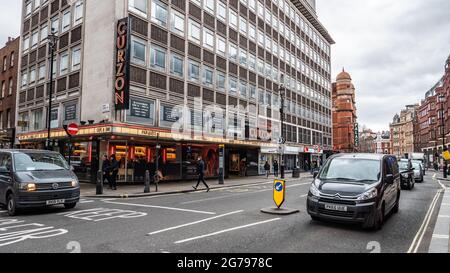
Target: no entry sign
(72, 129)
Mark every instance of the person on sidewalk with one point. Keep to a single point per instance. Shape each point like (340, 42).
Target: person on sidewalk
(267, 168)
(275, 168)
(106, 169)
(114, 172)
(201, 174)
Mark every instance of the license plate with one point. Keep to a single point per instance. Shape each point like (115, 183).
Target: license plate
(56, 202)
(335, 207)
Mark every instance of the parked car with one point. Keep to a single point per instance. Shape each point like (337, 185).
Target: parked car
(407, 174)
(357, 188)
(418, 171)
(32, 178)
(421, 165)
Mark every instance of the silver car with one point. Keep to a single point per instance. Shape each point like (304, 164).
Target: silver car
(418, 171)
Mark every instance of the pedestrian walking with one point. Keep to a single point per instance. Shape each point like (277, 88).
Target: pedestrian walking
(201, 174)
(106, 169)
(267, 168)
(114, 171)
(275, 168)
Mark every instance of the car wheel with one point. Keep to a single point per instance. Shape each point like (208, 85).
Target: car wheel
(70, 205)
(11, 205)
(379, 219)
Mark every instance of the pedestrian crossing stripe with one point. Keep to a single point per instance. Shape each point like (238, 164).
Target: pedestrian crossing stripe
(85, 201)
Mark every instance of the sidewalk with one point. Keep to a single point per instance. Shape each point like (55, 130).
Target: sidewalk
(164, 188)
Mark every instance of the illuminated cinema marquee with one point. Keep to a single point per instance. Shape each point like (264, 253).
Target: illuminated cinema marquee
(122, 78)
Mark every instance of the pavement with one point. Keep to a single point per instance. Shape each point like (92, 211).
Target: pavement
(441, 233)
(224, 220)
(164, 188)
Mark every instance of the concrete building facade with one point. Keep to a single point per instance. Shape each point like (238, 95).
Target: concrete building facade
(187, 75)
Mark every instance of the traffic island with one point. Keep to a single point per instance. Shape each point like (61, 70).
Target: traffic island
(280, 211)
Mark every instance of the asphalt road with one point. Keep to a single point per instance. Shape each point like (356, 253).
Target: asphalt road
(226, 220)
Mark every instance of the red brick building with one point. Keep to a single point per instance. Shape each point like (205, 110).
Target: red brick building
(8, 86)
(344, 114)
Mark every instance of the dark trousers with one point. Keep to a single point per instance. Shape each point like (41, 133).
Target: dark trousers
(107, 177)
(113, 180)
(275, 172)
(201, 178)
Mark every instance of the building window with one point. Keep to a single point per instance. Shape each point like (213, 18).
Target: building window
(209, 5)
(177, 23)
(221, 11)
(8, 118)
(233, 85)
(10, 86)
(3, 89)
(64, 64)
(66, 21)
(76, 59)
(37, 119)
(32, 76)
(34, 39)
(44, 33)
(194, 31)
(141, 111)
(26, 44)
(5, 61)
(24, 79)
(159, 13)
(55, 25)
(176, 65)
(70, 112)
(12, 59)
(243, 89)
(138, 51)
(194, 71)
(208, 39)
(42, 71)
(78, 16)
(208, 76)
(23, 122)
(139, 6)
(158, 58)
(233, 20)
(221, 46)
(220, 84)
(233, 52)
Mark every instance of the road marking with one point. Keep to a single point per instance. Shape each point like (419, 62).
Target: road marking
(196, 222)
(238, 194)
(421, 232)
(444, 216)
(226, 230)
(85, 201)
(439, 236)
(160, 207)
(303, 196)
(445, 204)
(102, 214)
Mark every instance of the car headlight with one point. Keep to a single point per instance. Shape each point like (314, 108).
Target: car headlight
(368, 195)
(314, 190)
(28, 186)
(75, 183)
(404, 175)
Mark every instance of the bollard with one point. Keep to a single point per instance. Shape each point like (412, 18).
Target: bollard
(99, 183)
(147, 182)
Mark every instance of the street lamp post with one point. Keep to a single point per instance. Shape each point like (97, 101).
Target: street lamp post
(52, 40)
(282, 92)
(444, 149)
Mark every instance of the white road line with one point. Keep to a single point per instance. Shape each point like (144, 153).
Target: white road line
(237, 194)
(444, 216)
(160, 207)
(226, 230)
(426, 220)
(445, 204)
(303, 196)
(196, 222)
(439, 236)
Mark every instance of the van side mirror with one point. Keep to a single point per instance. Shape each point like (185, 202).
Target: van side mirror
(72, 168)
(315, 174)
(389, 179)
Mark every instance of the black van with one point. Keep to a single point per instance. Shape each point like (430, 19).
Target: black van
(32, 178)
(360, 188)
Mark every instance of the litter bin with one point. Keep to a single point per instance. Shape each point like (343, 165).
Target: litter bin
(296, 173)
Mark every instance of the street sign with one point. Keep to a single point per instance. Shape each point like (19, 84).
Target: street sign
(279, 192)
(72, 129)
(446, 155)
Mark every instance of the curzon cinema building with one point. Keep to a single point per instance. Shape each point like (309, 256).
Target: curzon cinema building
(178, 79)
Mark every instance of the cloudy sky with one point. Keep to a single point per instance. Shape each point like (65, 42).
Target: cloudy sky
(394, 50)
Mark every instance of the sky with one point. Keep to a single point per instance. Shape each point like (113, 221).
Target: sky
(394, 50)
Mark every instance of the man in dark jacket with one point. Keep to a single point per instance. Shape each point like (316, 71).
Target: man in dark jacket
(275, 168)
(106, 169)
(115, 171)
(201, 174)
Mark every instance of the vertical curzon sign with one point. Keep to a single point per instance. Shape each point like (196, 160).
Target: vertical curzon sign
(122, 77)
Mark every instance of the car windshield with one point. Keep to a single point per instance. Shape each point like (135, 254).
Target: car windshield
(416, 165)
(403, 165)
(25, 162)
(353, 170)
